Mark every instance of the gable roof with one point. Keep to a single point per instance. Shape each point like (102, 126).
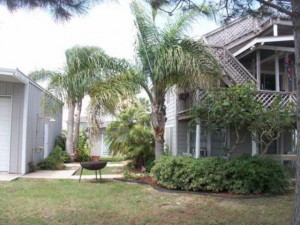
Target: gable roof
(16, 76)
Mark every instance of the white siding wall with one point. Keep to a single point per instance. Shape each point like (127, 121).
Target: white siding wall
(16, 91)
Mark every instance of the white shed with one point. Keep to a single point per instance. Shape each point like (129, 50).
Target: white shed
(26, 134)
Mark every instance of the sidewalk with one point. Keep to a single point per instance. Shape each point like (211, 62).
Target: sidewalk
(69, 173)
(9, 177)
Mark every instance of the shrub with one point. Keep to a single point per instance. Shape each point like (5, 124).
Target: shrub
(82, 152)
(242, 175)
(61, 141)
(247, 174)
(55, 160)
(190, 174)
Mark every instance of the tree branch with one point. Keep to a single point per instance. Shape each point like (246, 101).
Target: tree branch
(277, 7)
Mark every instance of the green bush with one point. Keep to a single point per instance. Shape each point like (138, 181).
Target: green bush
(55, 160)
(82, 153)
(247, 174)
(61, 141)
(190, 174)
(242, 175)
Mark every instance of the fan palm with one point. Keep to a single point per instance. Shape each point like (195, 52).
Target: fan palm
(167, 58)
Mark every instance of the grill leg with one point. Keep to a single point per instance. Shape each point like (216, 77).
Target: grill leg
(80, 174)
(100, 174)
(96, 174)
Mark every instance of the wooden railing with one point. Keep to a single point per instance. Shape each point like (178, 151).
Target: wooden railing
(186, 101)
(268, 97)
(234, 71)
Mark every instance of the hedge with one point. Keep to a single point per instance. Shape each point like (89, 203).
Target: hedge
(241, 175)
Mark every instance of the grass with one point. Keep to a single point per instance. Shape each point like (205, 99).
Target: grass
(112, 159)
(106, 170)
(114, 202)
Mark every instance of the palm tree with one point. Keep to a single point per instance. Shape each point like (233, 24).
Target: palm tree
(167, 58)
(84, 65)
(131, 134)
(111, 95)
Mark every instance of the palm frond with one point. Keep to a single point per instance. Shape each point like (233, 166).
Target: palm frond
(42, 74)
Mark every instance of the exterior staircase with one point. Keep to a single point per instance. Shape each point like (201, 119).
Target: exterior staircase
(221, 43)
(223, 38)
(233, 71)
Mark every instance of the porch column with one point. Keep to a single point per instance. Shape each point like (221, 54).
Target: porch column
(198, 133)
(254, 147)
(275, 30)
(258, 70)
(277, 80)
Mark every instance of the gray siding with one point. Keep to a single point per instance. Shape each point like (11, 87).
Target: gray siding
(242, 148)
(182, 143)
(171, 116)
(16, 91)
(35, 127)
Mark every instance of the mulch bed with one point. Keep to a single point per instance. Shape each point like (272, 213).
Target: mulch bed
(150, 181)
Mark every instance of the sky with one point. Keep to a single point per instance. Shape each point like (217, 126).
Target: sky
(31, 40)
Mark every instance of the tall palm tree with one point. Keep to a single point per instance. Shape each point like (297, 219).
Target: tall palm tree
(84, 65)
(111, 94)
(167, 58)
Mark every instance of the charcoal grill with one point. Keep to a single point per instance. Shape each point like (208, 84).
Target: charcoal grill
(93, 165)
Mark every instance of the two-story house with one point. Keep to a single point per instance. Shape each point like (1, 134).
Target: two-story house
(248, 49)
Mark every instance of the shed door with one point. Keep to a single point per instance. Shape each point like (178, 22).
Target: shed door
(5, 128)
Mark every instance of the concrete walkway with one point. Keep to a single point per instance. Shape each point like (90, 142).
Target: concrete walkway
(50, 174)
(69, 173)
(9, 177)
(71, 169)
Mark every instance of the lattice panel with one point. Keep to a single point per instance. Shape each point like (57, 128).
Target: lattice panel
(232, 32)
(267, 98)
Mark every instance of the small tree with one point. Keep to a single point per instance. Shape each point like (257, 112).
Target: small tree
(236, 107)
(269, 123)
(232, 107)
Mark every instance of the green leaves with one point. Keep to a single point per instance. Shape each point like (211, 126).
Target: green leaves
(131, 135)
(235, 107)
(242, 175)
(168, 58)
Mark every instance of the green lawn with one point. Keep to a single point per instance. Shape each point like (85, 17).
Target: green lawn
(114, 202)
(106, 170)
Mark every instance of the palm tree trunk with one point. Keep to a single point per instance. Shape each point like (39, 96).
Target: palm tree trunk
(77, 124)
(296, 23)
(158, 120)
(70, 126)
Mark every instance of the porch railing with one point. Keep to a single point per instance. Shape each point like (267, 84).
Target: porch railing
(268, 97)
(186, 101)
